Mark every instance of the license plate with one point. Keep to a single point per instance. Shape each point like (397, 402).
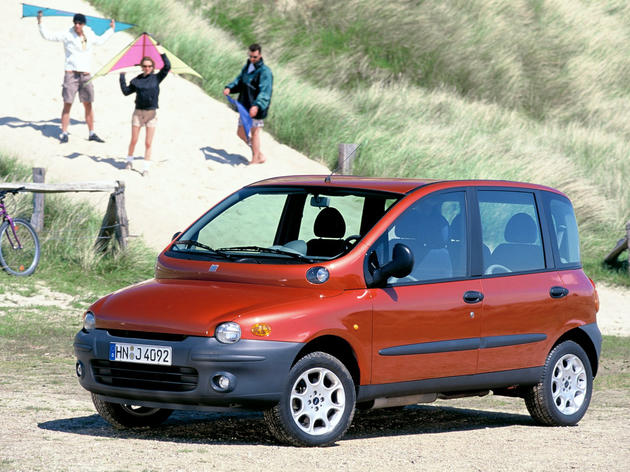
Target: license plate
(140, 353)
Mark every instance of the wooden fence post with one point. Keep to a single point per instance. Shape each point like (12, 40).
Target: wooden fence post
(115, 222)
(346, 156)
(37, 218)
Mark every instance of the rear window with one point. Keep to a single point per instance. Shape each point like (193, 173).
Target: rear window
(564, 232)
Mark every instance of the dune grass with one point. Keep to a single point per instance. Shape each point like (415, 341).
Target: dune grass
(68, 258)
(529, 90)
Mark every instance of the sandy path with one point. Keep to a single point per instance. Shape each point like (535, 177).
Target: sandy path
(197, 157)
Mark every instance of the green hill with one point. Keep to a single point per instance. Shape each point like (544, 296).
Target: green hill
(527, 90)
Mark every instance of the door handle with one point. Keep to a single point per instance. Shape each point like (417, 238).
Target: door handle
(472, 296)
(558, 292)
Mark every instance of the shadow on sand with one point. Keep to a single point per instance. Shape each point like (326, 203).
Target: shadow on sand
(222, 157)
(243, 427)
(116, 163)
(48, 128)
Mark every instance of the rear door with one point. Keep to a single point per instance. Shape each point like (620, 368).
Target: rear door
(522, 296)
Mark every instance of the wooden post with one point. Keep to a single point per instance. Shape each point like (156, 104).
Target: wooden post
(37, 218)
(122, 230)
(115, 223)
(347, 153)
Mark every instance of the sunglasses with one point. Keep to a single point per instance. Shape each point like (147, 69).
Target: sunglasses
(146, 66)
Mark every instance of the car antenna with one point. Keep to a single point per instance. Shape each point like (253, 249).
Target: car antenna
(327, 179)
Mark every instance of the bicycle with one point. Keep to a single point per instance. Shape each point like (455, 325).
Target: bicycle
(19, 245)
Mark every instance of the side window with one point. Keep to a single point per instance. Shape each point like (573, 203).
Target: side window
(565, 231)
(434, 228)
(510, 232)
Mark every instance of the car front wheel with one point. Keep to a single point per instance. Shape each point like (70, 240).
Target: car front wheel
(130, 416)
(562, 396)
(317, 404)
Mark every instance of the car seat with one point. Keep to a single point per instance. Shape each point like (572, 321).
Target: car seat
(329, 227)
(434, 260)
(520, 251)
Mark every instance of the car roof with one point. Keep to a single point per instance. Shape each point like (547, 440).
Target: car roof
(384, 184)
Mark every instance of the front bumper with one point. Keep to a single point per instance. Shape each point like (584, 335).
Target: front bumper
(257, 369)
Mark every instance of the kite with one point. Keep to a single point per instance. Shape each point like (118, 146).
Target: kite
(98, 25)
(246, 120)
(144, 46)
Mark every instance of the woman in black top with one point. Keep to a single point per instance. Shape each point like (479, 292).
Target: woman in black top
(147, 89)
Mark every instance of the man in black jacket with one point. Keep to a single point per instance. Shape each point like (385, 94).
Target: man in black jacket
(254, 85)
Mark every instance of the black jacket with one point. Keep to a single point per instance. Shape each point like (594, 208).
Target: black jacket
(147, 88)
(254, 88)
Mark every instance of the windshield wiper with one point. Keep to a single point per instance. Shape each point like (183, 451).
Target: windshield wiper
(191, 242)
(271, 250)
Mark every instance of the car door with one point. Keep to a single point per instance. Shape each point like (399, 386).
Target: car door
(519, 282)
(426, 325)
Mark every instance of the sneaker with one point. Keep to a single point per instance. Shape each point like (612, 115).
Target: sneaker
(63, 138)
(94, 137)
(145, 173)
(128, 166)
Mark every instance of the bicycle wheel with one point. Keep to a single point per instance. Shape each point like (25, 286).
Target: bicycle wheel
(19, 258)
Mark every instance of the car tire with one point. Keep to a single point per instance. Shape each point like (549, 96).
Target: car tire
(129, 416)
(563, 394)
(317, 403)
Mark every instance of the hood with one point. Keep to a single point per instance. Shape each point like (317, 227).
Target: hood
(190, 307)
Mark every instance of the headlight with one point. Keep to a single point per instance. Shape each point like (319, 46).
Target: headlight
(228, 333)
(89, 322)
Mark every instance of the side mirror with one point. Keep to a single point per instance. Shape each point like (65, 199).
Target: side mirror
(175, 235)
(400, 266)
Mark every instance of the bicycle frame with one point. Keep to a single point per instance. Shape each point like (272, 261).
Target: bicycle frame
(4, 216)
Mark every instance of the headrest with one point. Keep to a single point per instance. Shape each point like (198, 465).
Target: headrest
(329, 224)
(521, 228)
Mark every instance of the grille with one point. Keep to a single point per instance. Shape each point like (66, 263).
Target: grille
(145, 335)
(146, 377)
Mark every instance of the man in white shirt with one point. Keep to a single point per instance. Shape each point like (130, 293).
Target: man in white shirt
(78, 42)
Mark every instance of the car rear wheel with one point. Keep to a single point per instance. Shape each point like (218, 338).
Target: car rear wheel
(317, 403)
(130, 416)
(562, 396)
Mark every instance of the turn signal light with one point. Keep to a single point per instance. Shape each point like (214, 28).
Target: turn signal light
(261, 329)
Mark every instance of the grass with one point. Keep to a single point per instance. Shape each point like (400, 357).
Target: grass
(533, 91)
(68, 261)
(614, 370)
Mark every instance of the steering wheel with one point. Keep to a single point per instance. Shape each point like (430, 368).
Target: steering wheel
(350, 241)
(496, 269)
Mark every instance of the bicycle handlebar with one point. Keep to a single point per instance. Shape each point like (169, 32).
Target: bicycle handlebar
(3, 193)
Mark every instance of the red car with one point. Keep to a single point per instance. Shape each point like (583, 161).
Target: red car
(308, 296)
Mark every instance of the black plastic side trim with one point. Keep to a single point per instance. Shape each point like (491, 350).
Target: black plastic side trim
(490, 380)
(432, 347)
(511, 340)
(465, 344)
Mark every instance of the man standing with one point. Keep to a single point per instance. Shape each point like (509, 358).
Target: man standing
(254, 85)
(77, 42)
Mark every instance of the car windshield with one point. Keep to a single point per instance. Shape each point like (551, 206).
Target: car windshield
(283, 225)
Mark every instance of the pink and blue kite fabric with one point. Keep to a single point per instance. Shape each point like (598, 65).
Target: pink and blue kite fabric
(98, 25)
(246, 120)
(144, 46)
